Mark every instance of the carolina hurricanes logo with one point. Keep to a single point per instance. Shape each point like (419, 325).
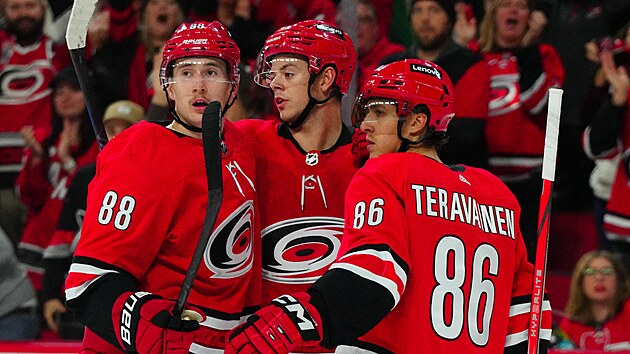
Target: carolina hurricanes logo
(298, 251)
(229, 251)
(504, 89)
(25, 83)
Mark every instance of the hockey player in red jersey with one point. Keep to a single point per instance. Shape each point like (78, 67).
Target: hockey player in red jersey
(304, 162)
(145, 210)
(431, 261)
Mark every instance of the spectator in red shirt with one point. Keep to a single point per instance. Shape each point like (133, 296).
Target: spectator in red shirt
(28, 62)
(51, 160)
(598, 310)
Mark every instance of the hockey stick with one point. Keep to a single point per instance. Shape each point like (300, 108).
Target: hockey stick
(76, 35)
(544, 214)
(211, 136)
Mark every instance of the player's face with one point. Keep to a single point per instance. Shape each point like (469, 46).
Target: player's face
(430, 24)
(511, 22)
(288, 79)
(600, 281)
(381, 126)
(195, 83)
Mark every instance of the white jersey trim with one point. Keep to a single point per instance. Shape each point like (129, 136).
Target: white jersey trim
(346, 349)
(520, 309)
(72, 293)
(516, 338)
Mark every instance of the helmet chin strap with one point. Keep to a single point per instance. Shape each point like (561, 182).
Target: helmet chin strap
(171, 109)
(311, 103)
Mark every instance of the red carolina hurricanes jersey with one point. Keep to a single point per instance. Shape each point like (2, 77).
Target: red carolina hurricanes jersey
(43, 188)
(515, 131)
(612, 335)
(441, 249)
(25, 90)
(145, 211)
(301, 205)
(617, 217)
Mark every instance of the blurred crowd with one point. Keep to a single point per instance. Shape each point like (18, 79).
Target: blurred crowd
(502, 56)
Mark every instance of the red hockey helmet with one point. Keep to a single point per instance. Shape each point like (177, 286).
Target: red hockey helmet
(201, 39)
(322, 44)
(409, 83)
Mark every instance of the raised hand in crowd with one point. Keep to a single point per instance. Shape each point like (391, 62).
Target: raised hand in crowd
(28, 134)
(98, 29)
(617, 77)
(69, 139)
(51, 307)
(537, 23)
(465, 28)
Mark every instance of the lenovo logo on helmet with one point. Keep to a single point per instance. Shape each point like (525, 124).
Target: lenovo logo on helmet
(329, 29)
(426, 70)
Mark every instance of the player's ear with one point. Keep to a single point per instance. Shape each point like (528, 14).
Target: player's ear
(326, 80)
(415, 125)
(169, 92)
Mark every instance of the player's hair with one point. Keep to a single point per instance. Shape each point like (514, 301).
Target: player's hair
(578, 306)
(437, 140)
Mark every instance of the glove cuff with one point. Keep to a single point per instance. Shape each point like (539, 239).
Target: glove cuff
(304, 315)
(126, 316)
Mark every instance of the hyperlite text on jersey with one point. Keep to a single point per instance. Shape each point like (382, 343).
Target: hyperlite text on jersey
(455, 206)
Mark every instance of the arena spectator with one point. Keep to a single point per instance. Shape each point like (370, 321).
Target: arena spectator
(515, 130)
(28, 62)
(124, 39)
(18, 301)
(607, 141)
(51, 160)
(432, 23)
(57, 256)
(598, 309)
(373, 45)
(571, 24)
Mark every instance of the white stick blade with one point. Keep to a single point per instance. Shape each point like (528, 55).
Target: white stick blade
(76, 33)
(551, 135)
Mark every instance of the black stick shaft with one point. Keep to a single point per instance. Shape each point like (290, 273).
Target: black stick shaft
(211, 136)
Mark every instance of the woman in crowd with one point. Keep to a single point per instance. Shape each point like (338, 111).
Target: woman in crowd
(520, 76)
(51, 160)
(598, 310)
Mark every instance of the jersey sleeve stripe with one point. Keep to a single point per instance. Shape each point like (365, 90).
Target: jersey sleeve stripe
(520, 337)
(520, 309)
(88, 273)
(385, 257)
(382, 281)
(57, 251)
(516, 338)
(606, 154)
